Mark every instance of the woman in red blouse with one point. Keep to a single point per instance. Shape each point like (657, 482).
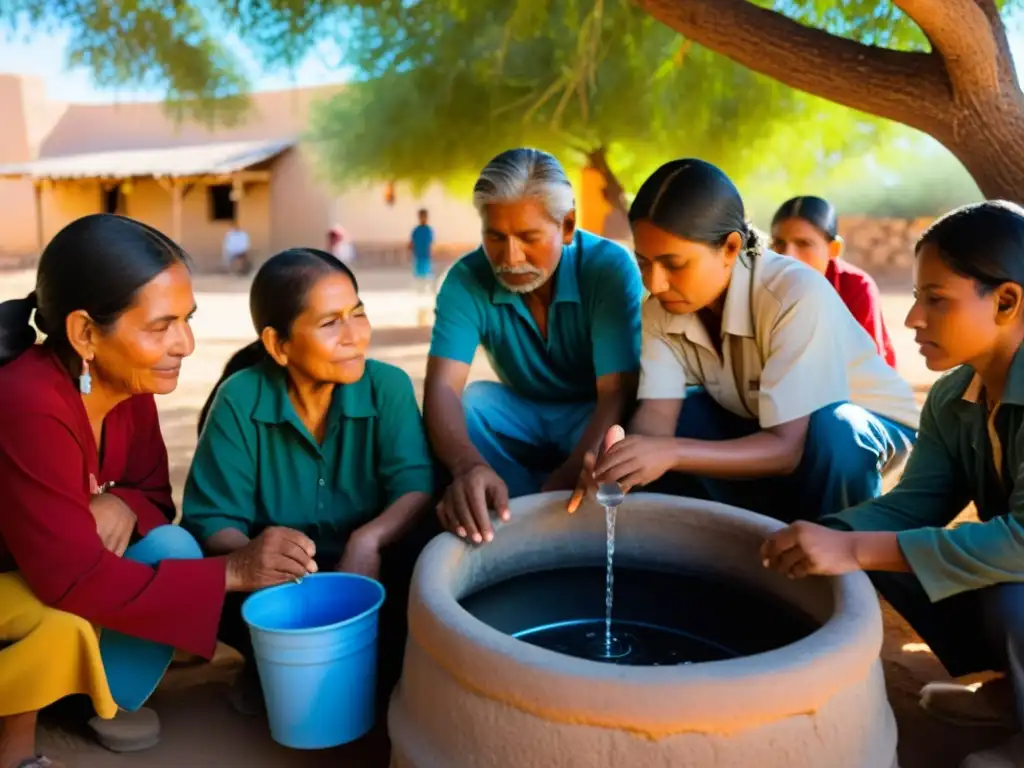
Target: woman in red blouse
(805, 229)
(84, 472)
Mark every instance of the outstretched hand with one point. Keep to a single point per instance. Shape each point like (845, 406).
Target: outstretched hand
(806, 549)
(586, 483)
(636, 460)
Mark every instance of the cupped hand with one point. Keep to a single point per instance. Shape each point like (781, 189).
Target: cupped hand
(586, 483)
(465, 509)
(636, 460)
(276, 556)
(806, 549)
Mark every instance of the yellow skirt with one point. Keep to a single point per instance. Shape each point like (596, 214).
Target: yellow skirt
(53, 654)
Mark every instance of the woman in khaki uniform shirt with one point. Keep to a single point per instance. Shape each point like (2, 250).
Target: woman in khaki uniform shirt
(758, 388)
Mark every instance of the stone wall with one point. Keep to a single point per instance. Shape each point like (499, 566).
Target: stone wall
(883, 247)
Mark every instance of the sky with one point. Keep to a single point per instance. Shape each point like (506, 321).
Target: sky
(43, 56)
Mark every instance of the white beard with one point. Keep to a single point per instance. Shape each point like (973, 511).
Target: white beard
(529, 287)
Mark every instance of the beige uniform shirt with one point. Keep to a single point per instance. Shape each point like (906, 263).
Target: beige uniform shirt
(789, 347)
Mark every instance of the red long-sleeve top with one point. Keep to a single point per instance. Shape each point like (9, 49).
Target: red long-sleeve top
(860, 293)
(47, 453)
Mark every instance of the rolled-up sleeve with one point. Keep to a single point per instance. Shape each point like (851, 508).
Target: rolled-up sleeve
(805, 369)
(458, 319)
(931, 492)
(403, 455)
(221, 488)
(663, 373)
(46, 525)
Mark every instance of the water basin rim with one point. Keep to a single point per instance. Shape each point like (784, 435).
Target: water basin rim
(261, 594)
(445, 630)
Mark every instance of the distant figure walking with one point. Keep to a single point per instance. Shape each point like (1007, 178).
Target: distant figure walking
(235, 250)
(340, 244)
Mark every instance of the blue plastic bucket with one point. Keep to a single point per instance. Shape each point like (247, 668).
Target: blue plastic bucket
(316, 650)
(134, 667)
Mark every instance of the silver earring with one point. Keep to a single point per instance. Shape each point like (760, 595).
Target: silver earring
(85, 380)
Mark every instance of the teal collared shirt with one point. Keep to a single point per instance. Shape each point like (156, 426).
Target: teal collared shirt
(257, 465)
(593, 325)
(963, 454)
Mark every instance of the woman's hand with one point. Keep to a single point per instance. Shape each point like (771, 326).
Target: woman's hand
(361, 556)
(115, 521)
(276, 556)
(636, 460)
(807, 549)
(585, 483)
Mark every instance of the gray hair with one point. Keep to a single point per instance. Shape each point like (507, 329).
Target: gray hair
(518, 174)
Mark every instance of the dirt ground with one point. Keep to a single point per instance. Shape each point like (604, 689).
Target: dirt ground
(199, 729)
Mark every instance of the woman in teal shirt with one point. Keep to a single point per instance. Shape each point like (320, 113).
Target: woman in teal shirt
(304, 432)
(959, 587)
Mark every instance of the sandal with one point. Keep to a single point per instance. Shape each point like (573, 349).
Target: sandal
(128, 731)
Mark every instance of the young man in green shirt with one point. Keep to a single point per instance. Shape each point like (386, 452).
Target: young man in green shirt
(961, 588)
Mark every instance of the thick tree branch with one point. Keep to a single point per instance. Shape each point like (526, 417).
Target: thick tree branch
(911, 88)
(963, 35)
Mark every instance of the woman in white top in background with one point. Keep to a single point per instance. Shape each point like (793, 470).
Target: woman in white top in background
(758, 388)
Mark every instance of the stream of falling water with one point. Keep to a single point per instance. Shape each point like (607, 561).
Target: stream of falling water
(609, 496)
(609, 578)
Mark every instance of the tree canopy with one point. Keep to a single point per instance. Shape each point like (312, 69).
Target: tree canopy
(940, 66)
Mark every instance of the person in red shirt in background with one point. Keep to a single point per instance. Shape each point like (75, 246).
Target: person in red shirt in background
(804, 228)
(86, 533)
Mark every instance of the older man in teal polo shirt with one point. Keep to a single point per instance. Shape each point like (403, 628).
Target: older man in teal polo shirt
(557, 311)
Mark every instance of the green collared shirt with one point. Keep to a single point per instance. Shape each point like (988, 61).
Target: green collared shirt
(963, 453)
(257, 465)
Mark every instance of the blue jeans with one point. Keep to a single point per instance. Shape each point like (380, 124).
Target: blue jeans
(974, 631)
(846, 451)
(135, 666)
(524, 441)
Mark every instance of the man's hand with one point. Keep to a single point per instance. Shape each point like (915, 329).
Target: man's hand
(586, 483)
(361, 556)
(115, 521)
(636, 460)
(807, 549)
(465, 508)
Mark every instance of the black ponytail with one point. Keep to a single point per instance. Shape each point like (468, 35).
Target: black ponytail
(98, 264)
(694, 200)
(277, 297)
(16, 331)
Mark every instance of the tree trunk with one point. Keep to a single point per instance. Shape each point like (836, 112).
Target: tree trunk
(990, 144)
(964, 93)
(616, 223)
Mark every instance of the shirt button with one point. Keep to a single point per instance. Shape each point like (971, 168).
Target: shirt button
(320, 482)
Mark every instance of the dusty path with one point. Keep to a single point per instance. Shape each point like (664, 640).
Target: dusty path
(201, 731)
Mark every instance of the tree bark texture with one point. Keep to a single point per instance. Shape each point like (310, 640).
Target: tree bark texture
(616, 224)
(964, 92)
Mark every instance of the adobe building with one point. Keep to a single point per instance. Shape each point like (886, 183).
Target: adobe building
(59, 161)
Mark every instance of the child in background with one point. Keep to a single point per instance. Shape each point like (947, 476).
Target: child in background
(804, 228)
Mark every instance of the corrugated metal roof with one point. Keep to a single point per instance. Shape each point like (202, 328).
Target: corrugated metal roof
(196, 160)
